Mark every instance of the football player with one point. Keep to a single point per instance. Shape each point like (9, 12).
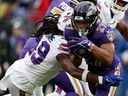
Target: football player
(93, 40)
(62, 80)
(50, 55)
(110, 13)
(68, 12)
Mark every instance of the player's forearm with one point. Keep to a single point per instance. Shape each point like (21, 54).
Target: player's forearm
(122, 26)
(68, 66)
(102, 54)
(76, 72)
(76, 60)
(81, 74)
(84, 75)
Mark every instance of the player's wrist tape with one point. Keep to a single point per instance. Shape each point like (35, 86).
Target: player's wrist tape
(100, 79)
(84, 75)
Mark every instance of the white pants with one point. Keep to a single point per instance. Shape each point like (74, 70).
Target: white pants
(14, 91)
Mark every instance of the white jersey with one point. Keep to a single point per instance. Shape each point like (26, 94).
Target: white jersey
(108, 14)
(65, 19)
(36, 70)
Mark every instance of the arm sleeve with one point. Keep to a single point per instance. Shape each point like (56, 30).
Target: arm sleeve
(105, 35)
(29, 45)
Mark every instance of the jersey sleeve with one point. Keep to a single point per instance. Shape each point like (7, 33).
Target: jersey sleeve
(105, 35)
(30, 44)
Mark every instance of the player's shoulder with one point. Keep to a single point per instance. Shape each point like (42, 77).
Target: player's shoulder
(58, 45)
(54, 40)
(103, 27)
(105, 30)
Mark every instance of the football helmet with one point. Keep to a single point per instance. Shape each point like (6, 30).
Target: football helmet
(84, 16)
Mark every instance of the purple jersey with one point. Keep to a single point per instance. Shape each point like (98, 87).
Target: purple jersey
(99, 34)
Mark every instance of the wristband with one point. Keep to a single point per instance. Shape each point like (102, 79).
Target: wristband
(100, 79)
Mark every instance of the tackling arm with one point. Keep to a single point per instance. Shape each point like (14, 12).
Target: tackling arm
(82, 74)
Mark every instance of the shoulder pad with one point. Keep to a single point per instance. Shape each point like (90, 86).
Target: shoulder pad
(106, 30)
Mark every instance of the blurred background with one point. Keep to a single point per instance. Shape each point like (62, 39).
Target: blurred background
(17, 25)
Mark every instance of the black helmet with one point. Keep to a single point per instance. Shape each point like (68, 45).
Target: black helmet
(85, 11)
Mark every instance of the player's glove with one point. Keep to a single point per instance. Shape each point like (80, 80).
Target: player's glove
(76, 43)
(111, 80)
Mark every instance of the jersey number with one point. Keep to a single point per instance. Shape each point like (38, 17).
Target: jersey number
(40, 53)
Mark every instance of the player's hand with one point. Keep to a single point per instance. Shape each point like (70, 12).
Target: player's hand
(112, 80)
(79, 42)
